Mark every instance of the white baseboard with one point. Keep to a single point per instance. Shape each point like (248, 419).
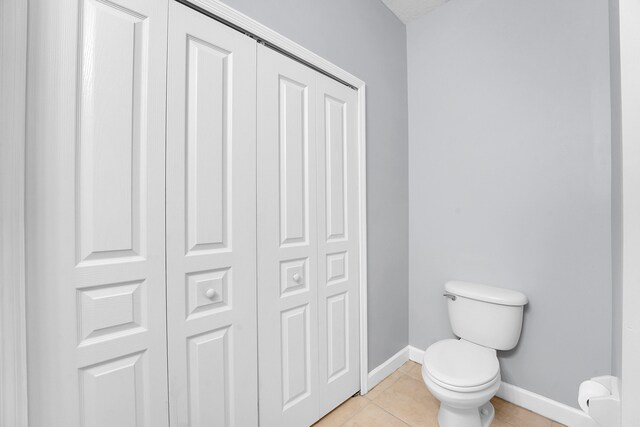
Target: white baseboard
(416, 354)
(387, 368)
(544, 406)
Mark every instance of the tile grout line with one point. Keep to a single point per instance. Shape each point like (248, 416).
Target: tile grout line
(354, 414)
(402, 374)
(371, 401)
(394, 416)
(407, 375)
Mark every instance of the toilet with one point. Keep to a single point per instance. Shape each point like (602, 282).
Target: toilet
(464, 374)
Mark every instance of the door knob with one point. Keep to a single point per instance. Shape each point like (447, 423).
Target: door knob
(296, 277)
(210, 293)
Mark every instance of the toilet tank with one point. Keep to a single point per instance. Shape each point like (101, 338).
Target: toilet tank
(485, 315)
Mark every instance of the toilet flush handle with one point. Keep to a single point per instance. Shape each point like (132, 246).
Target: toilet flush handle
(452, 297)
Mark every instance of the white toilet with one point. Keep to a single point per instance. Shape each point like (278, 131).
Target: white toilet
(464, 374)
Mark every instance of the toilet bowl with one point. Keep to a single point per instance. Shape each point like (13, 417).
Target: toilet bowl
(464, 377)
(464, 374)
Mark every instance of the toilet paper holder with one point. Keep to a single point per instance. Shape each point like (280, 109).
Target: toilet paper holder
(604, 409)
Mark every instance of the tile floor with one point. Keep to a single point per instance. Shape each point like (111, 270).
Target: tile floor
(403, 400)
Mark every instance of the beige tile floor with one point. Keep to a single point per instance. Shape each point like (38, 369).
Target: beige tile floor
(403, 400)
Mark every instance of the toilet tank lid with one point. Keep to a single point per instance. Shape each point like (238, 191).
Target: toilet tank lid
(486, 293)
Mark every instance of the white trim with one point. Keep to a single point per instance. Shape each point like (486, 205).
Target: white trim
(544, 406)
(362, 179)
(13, 73)
(388, 367)
(234, 17)
(229, 14)
(416, 354)
(629, 14)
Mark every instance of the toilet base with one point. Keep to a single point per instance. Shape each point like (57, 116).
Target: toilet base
(448, 416)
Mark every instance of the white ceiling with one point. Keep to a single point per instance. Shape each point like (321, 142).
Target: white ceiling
(408, 10)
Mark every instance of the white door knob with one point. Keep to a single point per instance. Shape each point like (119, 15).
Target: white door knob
(210, 293)
(296, 277)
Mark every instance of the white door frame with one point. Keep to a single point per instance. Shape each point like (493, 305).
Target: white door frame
(13, 78)
(13, 57)
(629, 16)
(243, 22)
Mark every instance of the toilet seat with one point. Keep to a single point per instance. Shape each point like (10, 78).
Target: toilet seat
(460, 365)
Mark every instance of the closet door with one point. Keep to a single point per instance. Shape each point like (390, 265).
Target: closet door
(338, 255)
(95, 214)
(211, 222)
(287, 242)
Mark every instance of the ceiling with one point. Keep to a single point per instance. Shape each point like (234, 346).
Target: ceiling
(408, 10)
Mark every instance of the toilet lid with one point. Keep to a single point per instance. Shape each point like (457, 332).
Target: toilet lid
(461, 363)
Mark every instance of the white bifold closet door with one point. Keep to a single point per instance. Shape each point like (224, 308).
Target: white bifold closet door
(211, 223)
(308, 310)
(338, 254)
(191, 224)
(95, 219)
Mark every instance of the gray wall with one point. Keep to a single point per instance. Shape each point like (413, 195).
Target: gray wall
(366, 39)
(510, 177)
(616, 188)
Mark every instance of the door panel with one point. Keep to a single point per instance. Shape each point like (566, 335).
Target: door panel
(338, 278)
(207, 144)
(211, 217)
(208, 365)
(294, 191)
(287, 260)
(95, 217)
(112, 105)
(112, 392)
(337, 336)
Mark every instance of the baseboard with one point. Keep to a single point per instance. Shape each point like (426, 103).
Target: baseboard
(416, 354)
(544, 406)
(387, 368)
